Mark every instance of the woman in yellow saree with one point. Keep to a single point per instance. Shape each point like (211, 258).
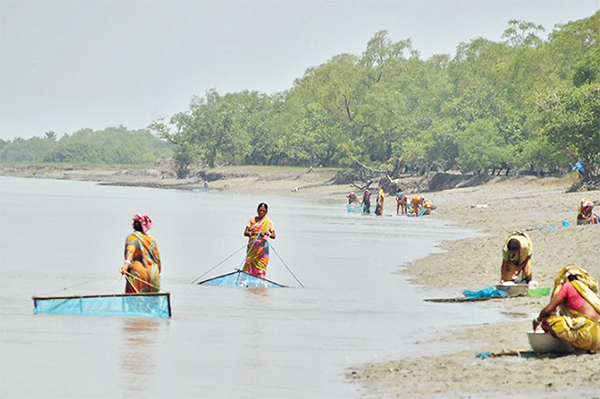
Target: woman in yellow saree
(573, 314)
(380, 199)
(142, 260)
(258, 230)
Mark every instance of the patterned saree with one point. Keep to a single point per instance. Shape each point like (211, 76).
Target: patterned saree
(569, 325)
(257, 256)
(145, 267)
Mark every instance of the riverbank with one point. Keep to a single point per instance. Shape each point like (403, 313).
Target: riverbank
(538, 206)
(495, 209)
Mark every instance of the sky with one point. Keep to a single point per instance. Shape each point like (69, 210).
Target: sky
(68, 65)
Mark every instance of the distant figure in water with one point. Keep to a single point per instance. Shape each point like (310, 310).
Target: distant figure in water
(379, 205)
(366, 202)
(401, 202)
(428, 207)
(205, 185)
(516, 258)
(142, 260)
(422, 206)
(258, 230)
(585, 214)
(352, 198)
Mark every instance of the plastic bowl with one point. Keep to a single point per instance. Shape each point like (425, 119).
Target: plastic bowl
(542, 342)
(539, 292)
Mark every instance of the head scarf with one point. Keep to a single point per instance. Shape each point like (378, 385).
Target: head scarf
(585, 204)
(144, 221)
(585, 284)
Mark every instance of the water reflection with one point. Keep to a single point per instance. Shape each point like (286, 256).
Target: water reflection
(259, 292)
(138, 353)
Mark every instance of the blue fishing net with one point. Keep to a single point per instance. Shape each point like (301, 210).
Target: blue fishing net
(487, 292)
(127, 305)
(358, 208)
(240, 279)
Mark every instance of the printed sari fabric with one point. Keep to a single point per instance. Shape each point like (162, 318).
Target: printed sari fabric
(568, 324)
(257, 256)
(145, 266)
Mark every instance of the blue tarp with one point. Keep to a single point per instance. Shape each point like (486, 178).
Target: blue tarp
(240, 279)
(126, 305)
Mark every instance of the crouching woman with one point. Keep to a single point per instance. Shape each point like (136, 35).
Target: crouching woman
(573, 314)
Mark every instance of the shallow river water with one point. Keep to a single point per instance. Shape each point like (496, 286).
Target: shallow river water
(221, 342)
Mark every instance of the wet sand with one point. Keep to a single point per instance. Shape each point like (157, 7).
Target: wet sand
(536, 205)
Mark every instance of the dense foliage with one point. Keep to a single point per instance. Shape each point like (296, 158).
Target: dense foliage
(523, 103)
(111, 146)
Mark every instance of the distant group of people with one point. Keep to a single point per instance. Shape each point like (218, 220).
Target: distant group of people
(419, 204)
(573, 313)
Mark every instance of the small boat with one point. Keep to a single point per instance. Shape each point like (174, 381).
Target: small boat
(242, 279)
(152, 304)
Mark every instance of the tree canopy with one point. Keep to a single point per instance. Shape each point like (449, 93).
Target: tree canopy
(522, 103)
(113, 145)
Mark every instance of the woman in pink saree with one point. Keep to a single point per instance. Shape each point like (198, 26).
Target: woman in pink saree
(258, 230)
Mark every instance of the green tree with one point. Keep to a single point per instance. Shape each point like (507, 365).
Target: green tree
(521, 33)
(573, 124)
(480, 147)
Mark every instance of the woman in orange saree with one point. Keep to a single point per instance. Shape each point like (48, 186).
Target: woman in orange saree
(573, 314)
(258, 230)
(142, 260)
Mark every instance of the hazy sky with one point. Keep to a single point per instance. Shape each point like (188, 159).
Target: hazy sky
(67, 65)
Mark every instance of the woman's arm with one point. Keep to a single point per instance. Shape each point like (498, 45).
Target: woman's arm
(504, 275)
(128, 259)
(554, 302)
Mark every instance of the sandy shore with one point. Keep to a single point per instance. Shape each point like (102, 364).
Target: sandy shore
(494, 209)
